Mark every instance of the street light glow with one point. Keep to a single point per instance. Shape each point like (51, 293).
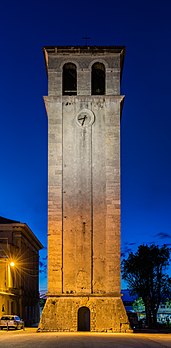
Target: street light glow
(12, 264)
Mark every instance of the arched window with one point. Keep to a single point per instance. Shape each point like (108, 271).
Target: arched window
(69, 79)
(83, 319)
(98, 79)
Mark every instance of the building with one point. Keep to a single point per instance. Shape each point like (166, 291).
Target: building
(19, 271)
(164, 313)
(84, 107)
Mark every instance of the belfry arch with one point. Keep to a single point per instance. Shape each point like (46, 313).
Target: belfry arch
(69, 79)
(98, 79)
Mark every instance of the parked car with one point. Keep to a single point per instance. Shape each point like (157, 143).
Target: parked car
(11, 321)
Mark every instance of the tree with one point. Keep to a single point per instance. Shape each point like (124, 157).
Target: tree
(138, 306)
(145, 273)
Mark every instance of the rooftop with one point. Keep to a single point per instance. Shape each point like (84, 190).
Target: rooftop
(4, 220)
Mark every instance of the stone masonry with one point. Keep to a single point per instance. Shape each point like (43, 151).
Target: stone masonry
(84, 193)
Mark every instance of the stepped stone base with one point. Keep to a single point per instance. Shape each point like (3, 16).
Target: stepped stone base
(105, 314)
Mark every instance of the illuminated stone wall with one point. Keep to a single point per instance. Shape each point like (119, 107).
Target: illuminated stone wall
(84, 185)
(107, 314)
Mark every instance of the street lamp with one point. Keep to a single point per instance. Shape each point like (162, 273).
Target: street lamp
(6, 280)
(12, 263)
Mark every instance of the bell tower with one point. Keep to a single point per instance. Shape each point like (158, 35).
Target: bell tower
(84, 110)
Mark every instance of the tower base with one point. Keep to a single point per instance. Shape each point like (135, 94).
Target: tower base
(84, 313)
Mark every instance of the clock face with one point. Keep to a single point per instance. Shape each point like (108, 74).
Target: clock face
(85, 118)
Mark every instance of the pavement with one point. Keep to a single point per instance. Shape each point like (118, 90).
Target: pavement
(30, 338)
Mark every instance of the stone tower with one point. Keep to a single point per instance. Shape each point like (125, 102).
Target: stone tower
(84, 109)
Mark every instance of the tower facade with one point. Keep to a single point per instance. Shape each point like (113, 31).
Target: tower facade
(84, 110)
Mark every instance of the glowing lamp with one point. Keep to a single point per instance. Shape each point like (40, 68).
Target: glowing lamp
(12, 264)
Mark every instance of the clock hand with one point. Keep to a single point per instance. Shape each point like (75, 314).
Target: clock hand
(84, 118)
(81, 118)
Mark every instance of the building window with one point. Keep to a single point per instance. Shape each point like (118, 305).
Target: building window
(69, 79)
(98, 79)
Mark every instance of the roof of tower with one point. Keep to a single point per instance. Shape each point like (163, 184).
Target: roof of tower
(87, 50)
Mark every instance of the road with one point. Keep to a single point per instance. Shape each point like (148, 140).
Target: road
(31, 339)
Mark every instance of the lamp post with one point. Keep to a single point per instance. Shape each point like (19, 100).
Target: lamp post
(7, 284)
(8, 264)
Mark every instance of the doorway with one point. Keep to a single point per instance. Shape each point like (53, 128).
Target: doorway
(84, 319)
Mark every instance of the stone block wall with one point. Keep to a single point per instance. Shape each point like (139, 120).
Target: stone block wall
(106, 314)
(84, 193)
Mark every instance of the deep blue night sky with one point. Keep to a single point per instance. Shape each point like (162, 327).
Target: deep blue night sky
(144, 27)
